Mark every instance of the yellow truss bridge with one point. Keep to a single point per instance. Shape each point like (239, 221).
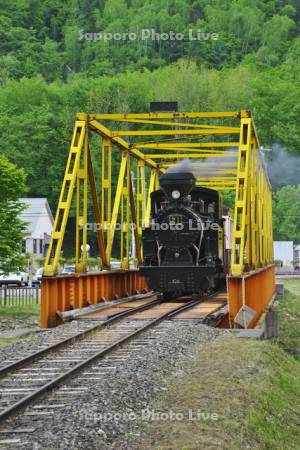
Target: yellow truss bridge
(143, 146)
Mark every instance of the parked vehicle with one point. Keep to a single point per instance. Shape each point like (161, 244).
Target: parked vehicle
(68, 270)
(16, 279)
(115, 264)
(36, 281)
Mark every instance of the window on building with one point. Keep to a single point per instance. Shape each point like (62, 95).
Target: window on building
(24, 246)
(41, 246)
(34, 246)
(46, 246)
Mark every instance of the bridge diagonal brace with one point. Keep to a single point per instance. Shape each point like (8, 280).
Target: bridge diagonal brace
(106, 185)
(153, 184)
(97, 212)
(121, 143)
(65, 198)
(241, 226)
(81, 209)
(124, 218)
(135, 222)
(141, 197)
(117, 202)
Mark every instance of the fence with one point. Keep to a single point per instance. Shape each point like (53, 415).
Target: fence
(286, 271)
(15, 296)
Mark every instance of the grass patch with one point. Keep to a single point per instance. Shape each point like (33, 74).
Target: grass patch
(252, 386)
(20, 311)
(11, 340)
(21, 316)
(289, 316)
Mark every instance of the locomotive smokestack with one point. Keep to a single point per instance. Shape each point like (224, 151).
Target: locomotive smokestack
(182, 182)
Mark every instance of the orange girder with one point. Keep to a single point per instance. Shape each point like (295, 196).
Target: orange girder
(255, 289)
(66, 292)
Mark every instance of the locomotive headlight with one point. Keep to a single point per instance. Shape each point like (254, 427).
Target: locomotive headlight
(175, 194)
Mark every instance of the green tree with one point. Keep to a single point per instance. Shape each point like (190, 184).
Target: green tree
(12, 186)
(286, 214)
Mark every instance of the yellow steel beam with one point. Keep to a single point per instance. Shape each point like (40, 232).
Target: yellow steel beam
(217, 180)
(106, 183)
(174, 115)
(124, 222)
(176, 124)
(259, 208)
(97, 212)
(141, 195)
(228, 184)
(156, 184)
(253, 228)
(198, 151)
(105, 132)
(135, 222)
(65, 198)
(188, 145)
(152, 186)
(117, 202)
(202, 132)
(81, 210)
(194, 151)
(224, 181)
(188, 155)
(219, 171)
(217, 187)
(208, 164)
(241, 228)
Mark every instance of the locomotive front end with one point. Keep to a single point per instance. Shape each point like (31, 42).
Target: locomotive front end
(180, 245)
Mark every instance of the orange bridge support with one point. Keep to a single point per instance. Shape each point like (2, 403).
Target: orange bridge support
(66, 292)
(255, 289)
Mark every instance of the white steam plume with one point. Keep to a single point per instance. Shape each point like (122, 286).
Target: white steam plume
(283, 167)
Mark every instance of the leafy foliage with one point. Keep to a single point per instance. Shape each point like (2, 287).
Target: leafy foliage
(12, 186)
(47, 73)
(286, 213)
(43, 37)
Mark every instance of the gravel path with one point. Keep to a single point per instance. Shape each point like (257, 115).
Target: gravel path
(110, 414)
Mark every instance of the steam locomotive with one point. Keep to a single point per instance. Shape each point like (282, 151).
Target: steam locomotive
(183, 246)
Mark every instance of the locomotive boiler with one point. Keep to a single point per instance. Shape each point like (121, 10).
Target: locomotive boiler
(183, 246)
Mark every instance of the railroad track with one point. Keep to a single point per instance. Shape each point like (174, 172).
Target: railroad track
(84, 328)
(24, 381)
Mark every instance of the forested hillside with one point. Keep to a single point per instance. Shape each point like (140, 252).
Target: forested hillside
(53, 64)
(43, 37)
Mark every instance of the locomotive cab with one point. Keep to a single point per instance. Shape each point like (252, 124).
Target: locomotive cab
(183, 245)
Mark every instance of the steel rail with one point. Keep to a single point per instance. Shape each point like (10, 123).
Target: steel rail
(16, 407)
(112, 318)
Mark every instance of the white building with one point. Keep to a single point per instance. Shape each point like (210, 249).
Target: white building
(297, 253)
(39, 226)
(284, 252)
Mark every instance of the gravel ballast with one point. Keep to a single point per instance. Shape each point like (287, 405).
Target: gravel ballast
(113, 412)
(33, 342)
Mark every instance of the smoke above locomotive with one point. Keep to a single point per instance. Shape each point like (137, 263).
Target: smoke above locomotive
(185, 166)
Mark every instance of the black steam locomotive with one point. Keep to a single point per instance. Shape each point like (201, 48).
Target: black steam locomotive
(183, 245)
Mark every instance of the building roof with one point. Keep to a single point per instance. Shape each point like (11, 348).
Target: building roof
(36, 207)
